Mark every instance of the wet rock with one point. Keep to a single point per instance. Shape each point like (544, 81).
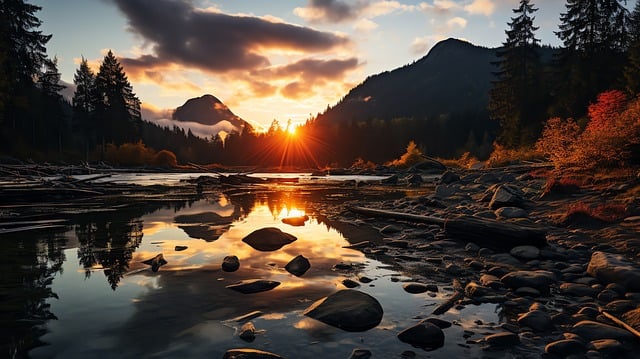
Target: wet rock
(505, 196)
(505, 258)
(248, 332)
(230, 264)
(365, 280)
(253, 286)
(591, 330)
(298, 266)
(180, 248)
(510, 213)
(415, 179)
(297, 221)
(360, 354)
(613, 268)
(347, 309)
(537, 320)
(416, 288)
(440, 323)
(525, 252)
(502, 340)
(475, 290)
(268, 239)
(491, 281)
(445, 191)
(620, 306)
(565, 347)
(349, 283)
(246, 353)
(610, 348)
(577, 290)
(449, 177)
(539, 279)
(156, 262)
(423, 335)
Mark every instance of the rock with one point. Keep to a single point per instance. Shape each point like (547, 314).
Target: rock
(253, 286)
(502, 340)
(613, 268)
(156, 262)
(525, 252)
(539, 279)
(180, 248)
(246, 353)
(505, 196)
(297, 221)
(591, 330)
(347, 309)
(527, 292)
(390, 229)
(491, 281)
(416, 288)
(577, 290)
(360, 354)
(537, 320)
(423, 335)
(565, 347)
(475, 290)
(415, 179)
(610, 348)
(440, 323)
(511, 212)
(449, 177)
(248, 332)
(298, 266)
(393, 179)
(268, 239)
(230, 264)
(349, 283)
(444, 191)
(620, 306)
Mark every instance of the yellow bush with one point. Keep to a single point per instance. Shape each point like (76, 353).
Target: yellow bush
(411, 157)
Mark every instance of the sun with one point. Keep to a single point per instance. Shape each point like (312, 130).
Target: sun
(291, 131)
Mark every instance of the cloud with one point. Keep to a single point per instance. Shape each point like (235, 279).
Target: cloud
(212, 41)
(336, 11)
(162, 118)
(480, 7)
(457, 22)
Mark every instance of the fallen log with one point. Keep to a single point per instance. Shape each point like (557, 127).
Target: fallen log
(482, 231)
(621, 323)
(457, 295)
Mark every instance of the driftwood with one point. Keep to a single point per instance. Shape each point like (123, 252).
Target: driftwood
(457, 295)
(621, 323)
(482, 231)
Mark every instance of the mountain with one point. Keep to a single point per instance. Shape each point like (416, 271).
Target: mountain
(209, 111)
(454, 77)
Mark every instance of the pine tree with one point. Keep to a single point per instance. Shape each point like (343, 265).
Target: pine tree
(51, 118)
(594, 34)
(515, 93)
(84, 106)
(116, 105)
(632, 68)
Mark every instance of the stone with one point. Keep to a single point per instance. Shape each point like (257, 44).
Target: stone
(268, 239)
(180, 248)
(449, 177)
(444, 191)
(475, 290)
(525, 252)
(591, 330)
(298, 266)
(577, 290)
(537, 320)
(610, 348)
(390, 229)
(505, 196)
(350, 283)
(230, 264)
(502, 340)
(347, 309)
(297, 221)
(565, 347)
(614, 268)
(491, 281)
(360, 354)
(253, 286)
(440, 323)
(247, 332)
(415, 179)
(511, 212)
(539, 279)
(246, 353)
(423, 335)
(620, 306)
(417, 288)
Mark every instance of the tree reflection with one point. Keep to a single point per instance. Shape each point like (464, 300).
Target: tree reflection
(28, 265)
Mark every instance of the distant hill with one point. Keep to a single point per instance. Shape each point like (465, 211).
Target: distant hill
(454, 77)
(208, 110)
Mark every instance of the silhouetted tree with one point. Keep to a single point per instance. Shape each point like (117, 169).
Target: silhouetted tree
(52, 116)
(117, 107)
(594, 35)
(84, 106)
(632, 67)
(515, 95)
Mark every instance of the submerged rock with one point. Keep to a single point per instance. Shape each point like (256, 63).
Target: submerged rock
(253, 286)
(230, 264)
(423, 335)
(347, 309)
(246, 353)
(298, 266)
(268, 239)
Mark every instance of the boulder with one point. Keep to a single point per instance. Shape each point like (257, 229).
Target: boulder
(423, 335)
(565, 347)
(502, 340)
(591, 330)
(537, 320)
(247, 332)
(505, 196)
(347, 309)
(298, 266)
(416, 288)
(614, 268)
(253, 286)
(230, 264)
(246, 353)
(577, 290)
(268, 239)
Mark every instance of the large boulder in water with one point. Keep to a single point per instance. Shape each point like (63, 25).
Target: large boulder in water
(298, 266)
(423, 335)
(246, 353)
(348, 309)
(268, 239)
(614, 268)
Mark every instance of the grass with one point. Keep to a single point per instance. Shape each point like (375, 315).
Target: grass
(605, 212)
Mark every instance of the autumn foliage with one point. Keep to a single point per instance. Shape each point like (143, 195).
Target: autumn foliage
(611, 137)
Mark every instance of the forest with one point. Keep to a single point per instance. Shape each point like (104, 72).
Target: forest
(578, 106)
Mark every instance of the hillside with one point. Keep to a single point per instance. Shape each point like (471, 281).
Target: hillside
(208, 110)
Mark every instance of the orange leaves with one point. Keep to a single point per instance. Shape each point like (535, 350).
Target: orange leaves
(559, 140)
(602, 113)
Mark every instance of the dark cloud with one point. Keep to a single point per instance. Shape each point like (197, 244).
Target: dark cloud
(333, 11)
(312, 69)
(216, 42)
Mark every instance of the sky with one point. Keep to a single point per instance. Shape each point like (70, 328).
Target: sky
(266, 60)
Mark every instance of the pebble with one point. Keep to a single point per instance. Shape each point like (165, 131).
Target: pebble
(502, 340)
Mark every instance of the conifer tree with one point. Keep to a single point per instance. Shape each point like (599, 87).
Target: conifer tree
(515, 93)
(51, 116)
(83, 106)
(632, 67)
(117, 107)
